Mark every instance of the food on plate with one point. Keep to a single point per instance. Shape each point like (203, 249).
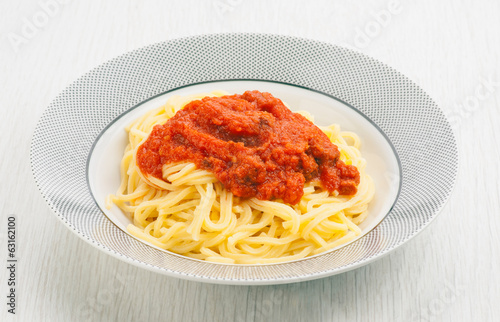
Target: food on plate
(241, 179)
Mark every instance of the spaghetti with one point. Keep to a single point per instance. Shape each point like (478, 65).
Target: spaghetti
(190, 212)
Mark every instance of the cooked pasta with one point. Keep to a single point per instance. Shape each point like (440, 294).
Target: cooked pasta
(190, 212)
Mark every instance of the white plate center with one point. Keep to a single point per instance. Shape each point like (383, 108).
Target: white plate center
(382, 162)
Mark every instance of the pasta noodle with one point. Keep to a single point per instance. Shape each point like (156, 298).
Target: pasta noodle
(190, 212)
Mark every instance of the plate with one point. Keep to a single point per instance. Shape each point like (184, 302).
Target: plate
(407, 141)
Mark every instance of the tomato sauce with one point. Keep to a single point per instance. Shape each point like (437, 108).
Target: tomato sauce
(253, 144)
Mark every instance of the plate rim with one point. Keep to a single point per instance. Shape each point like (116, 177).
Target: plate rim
(260, 280)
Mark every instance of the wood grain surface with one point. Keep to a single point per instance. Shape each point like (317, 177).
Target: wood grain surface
(449, 272)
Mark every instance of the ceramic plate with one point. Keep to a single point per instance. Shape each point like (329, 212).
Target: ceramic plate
(406, 140)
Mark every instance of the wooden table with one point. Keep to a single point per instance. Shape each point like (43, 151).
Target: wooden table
(450, 272)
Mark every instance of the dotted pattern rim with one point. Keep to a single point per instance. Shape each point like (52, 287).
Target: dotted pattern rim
(392, 101)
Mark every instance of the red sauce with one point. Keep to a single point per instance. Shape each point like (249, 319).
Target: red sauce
(253, 144)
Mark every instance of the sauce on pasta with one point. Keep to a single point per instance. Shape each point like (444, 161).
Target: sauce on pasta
(253, 144)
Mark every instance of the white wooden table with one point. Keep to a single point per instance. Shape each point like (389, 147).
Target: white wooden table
(450, 272)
